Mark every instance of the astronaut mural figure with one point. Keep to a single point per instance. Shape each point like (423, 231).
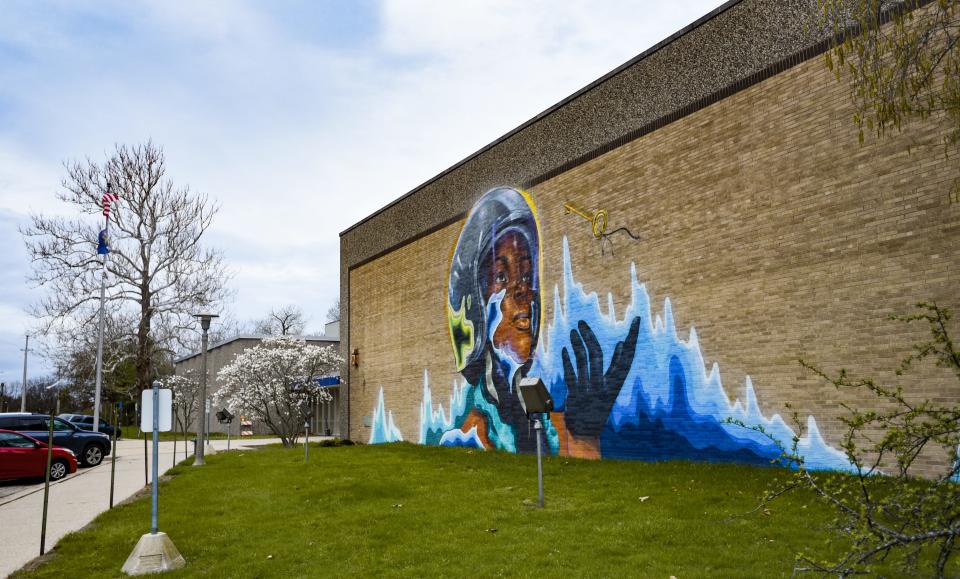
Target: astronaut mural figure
(495, 311)
(625, 386)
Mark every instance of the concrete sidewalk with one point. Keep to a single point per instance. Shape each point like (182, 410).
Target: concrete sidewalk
(78, 499)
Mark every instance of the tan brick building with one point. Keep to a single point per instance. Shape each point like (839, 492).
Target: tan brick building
(729, 151)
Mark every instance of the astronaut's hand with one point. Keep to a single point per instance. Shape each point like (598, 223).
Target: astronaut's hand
(590, 392)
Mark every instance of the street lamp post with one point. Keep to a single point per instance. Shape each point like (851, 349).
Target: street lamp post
(201, 439)
(56, 387)
(23, 393)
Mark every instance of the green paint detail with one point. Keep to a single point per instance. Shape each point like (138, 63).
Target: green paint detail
(462, 333)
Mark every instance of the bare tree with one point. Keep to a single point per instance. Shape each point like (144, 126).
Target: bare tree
(227, 326)
(158, 270)
(286, 321)
(333, 314)
(73, 352)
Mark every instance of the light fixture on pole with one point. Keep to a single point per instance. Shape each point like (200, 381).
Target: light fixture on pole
(57, 385)
(225, 417)
(536, 401)
(205, 319)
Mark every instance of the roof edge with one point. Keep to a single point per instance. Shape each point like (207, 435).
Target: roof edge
(320, 338)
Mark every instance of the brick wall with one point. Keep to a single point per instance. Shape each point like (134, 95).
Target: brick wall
(768, 226)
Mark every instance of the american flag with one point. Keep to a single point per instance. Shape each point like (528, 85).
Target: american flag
(108, 198)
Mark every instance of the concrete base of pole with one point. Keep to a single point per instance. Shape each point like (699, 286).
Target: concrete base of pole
(208, 450)
(153, 554)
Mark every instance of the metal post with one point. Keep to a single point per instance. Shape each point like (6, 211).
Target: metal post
(228, 436)
(207, 407)
(203, 390)
(156, 456)
(96, 393)
(23, 395)
(146, 477)
(306, 441)
(46, 485)
(113, 455)
(537, 427)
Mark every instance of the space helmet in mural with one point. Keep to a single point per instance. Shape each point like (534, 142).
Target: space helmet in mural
(494, 286)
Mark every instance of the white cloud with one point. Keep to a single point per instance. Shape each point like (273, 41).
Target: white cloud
(297, 136)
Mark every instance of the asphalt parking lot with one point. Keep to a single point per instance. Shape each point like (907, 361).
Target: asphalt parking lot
(77, 499)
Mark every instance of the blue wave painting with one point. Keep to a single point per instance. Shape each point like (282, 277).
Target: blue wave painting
(670, 407)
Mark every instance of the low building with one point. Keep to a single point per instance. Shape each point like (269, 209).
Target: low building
(325, 420)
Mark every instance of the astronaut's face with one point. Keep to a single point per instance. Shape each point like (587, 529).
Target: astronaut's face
(512, 271)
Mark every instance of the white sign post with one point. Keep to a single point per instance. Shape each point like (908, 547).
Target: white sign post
(155, 552)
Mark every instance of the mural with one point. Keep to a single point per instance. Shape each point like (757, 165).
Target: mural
(623, 386)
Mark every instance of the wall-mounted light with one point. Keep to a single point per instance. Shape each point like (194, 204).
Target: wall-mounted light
(355, 358)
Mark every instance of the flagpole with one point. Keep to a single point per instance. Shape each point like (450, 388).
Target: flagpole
(96, 404)
(103, 289)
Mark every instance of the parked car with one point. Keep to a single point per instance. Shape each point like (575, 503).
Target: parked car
(85, 422)
(22, 456)
(90, 447)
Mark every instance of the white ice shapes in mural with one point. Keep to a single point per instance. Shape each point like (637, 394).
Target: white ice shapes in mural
(657, 344)
(825, 457)
(457, 437)
(956, 463)
(383, 429)
(435, 419)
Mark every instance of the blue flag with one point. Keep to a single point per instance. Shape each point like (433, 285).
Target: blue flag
(102, 248)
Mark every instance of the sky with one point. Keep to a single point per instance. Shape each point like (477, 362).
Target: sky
(298, 117)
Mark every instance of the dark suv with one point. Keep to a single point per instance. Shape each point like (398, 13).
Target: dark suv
(90, 447)
(85, 422)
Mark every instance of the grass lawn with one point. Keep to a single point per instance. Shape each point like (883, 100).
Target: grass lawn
(410, 510)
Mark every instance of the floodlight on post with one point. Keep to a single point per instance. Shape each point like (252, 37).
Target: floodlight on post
(225, 417)
(205, 319)
(536, 400)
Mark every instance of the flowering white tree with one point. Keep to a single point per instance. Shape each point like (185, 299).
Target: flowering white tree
(275, 382)
(186, 400)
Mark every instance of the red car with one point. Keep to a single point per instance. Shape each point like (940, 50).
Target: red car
(24, 457)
